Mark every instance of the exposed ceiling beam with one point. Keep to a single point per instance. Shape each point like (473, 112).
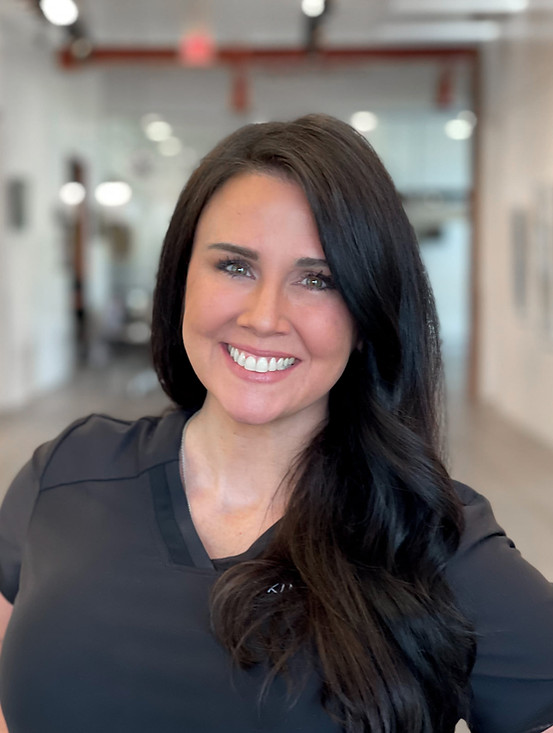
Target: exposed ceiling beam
(257, 55)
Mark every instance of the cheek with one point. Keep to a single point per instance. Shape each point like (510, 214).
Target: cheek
(205, 306)
(331, 333)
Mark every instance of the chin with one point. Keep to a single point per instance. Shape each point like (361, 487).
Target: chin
(257, 417)
(261, 413)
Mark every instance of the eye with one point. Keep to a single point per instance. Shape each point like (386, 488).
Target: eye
(235, 268)
(318, 281)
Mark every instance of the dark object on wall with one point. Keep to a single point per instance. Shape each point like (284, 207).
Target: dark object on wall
(120, 240)
(17, 203)
(519, 255)
(544, 257)
(429, 233)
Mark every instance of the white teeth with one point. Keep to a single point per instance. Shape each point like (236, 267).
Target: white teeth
(261, 364)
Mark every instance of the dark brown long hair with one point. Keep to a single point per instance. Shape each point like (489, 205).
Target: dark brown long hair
(372, 518)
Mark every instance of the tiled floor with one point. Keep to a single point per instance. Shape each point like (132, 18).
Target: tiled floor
(511, 468)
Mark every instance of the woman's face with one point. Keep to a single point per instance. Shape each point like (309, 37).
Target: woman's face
(263, 327)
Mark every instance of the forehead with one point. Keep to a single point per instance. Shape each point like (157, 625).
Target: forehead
(257, 206)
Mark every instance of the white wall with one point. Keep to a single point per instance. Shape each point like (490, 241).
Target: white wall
(516, 365)
(36, 140)
(447, 263)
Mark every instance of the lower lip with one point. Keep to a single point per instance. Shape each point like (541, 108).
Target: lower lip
(262, 377)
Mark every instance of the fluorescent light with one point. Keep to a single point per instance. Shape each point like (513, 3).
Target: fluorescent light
(158, 130)
(59, 12)
(313, 8)
(364, 121)
(459, 7)
(113, 193)
(458, 129)
(454, 31)
(72, 193)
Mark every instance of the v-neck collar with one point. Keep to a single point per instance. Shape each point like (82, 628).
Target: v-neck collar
(197, 551)
(177, 527)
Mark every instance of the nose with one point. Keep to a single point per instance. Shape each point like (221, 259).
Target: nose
(265, 310)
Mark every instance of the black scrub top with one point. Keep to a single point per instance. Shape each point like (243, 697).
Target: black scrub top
(110, 582)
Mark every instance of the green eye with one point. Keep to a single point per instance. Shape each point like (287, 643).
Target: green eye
(315, 282)
(237, 269)
(234, 268)
(318, 282)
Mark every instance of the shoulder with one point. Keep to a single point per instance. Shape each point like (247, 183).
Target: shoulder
(94, 448)
(98, 447)
(487, 569)
(510, 605)
(479, 519)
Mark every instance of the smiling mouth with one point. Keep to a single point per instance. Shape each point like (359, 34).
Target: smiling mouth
(260, 364)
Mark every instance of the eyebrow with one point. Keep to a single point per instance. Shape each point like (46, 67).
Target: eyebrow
(251, 254)
(235, 249)
(311, 262)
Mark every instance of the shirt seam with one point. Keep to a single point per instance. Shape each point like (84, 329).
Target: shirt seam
(69, 431)
(108, 479)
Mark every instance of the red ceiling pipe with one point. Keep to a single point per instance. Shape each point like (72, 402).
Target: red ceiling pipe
(240, 90)
(445, 88)
(241, 55)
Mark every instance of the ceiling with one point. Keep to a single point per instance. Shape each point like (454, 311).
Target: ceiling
(201, 104)
(270, 23)
(281, 23)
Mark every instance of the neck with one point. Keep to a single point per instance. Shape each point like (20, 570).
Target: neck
(243, 465)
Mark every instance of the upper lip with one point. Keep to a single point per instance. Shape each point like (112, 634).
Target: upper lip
(262, 352)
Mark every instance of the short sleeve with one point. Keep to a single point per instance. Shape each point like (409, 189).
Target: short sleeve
(15, 515)
(89, 447)
(511, 606)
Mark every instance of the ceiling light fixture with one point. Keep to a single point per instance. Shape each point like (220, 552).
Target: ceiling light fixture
(458, 7)
(313, 8)
(113, 193)
(364, 121)
(72, 193)
(158, 130)
(458, 129)
(59, 12)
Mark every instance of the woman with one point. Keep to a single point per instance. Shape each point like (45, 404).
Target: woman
(284, 552)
